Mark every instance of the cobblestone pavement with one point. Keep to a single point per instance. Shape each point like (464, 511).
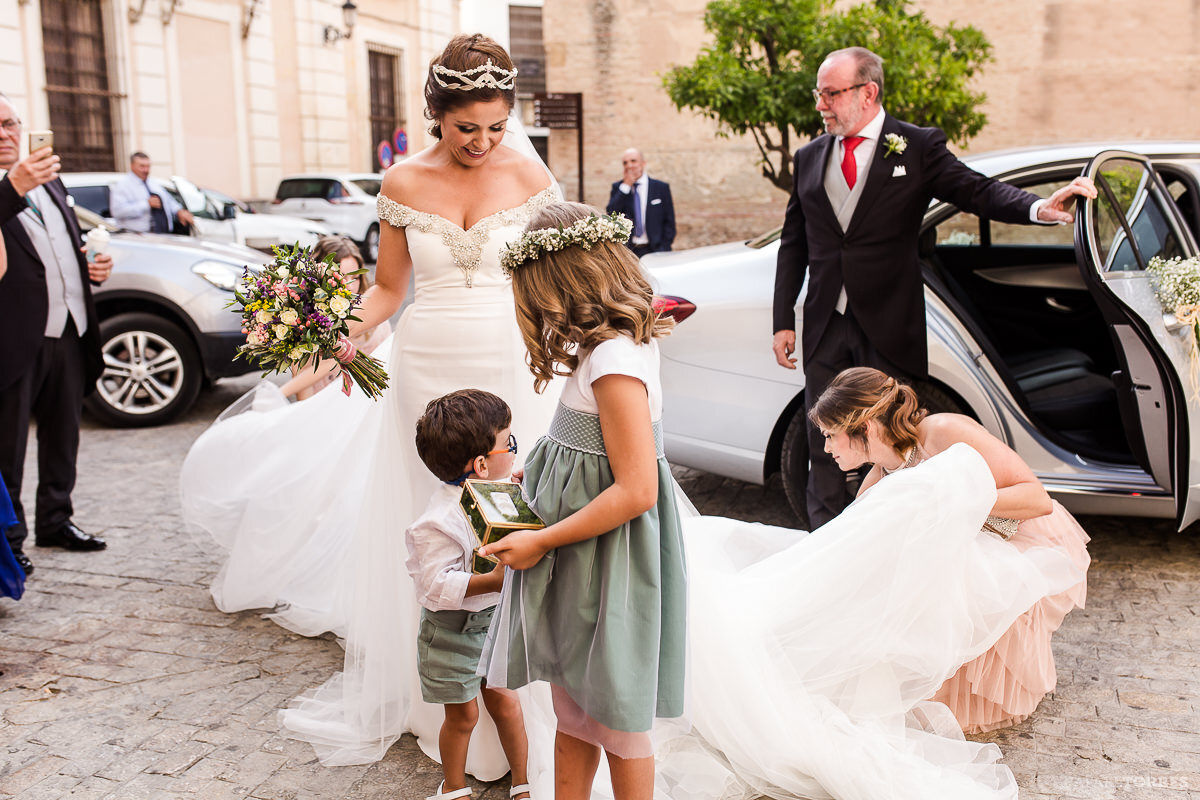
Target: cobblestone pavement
(121, 680)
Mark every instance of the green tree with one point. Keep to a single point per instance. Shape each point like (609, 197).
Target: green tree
(757, 75)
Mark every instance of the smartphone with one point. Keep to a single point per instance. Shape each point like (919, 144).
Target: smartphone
(40, 139)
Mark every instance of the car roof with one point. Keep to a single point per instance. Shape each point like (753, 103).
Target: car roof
(999, 162)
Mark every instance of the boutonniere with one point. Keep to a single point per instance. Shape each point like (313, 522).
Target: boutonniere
(895, 143)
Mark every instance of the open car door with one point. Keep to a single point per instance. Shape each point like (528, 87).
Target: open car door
(1133, 220)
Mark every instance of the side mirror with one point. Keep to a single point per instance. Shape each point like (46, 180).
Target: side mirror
(229, 211)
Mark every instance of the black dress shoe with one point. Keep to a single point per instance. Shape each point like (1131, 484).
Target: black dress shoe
(25, 563)
(69, 537)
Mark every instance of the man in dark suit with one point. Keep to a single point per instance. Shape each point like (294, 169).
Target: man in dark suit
(645, 201)
(49, 340)
(852, 223)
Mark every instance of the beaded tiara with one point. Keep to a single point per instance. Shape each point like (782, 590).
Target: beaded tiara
(489, 77)
(583, 233)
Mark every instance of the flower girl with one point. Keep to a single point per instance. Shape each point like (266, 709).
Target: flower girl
(596, 606)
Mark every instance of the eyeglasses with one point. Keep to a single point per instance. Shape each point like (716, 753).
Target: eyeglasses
(512, 447)
(828, 95)
(11, 125)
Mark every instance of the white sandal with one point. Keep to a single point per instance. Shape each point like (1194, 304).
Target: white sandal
(522, 788)
(463, 792)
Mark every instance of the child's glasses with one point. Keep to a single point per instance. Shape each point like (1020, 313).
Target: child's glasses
(512, 447)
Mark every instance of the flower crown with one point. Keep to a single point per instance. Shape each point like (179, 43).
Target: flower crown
(583, 233)
(487, 77)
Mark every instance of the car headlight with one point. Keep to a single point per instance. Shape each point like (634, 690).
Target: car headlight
(221, 274)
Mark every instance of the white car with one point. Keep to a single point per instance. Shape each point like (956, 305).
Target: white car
(344, 202)
(1051, 336)
(218, 218)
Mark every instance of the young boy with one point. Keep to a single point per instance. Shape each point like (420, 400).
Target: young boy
(466, 434)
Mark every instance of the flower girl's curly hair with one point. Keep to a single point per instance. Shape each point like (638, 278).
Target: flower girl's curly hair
(573, 299)
(861, 394)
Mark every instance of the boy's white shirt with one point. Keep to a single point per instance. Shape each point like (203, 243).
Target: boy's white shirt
(440, 547)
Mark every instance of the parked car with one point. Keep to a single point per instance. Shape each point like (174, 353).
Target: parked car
(1051, 336)
(346, 203)
(218, 217)
(164, 327)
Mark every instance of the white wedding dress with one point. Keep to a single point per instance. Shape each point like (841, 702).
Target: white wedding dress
(312, 498)
(811, 655)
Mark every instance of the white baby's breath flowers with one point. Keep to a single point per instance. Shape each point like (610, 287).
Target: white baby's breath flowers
(584, 233)
(1176, 281)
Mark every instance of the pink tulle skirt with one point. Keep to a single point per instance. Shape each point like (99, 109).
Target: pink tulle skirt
(1004, 685)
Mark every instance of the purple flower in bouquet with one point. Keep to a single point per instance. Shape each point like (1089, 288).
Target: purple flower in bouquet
(297, 311)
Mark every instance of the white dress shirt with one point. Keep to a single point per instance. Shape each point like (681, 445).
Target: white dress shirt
(440, 547)
(129, 202)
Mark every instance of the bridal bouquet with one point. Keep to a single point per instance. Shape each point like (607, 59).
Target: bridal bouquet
(297, 312)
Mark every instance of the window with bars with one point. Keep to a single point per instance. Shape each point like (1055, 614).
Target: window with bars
(527, 48)
(77, 86)
(387, 99)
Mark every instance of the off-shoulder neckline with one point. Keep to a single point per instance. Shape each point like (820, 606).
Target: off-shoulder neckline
(534, 198)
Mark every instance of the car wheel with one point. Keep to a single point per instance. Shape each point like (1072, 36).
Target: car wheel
(793, 457)
(152, 372)
(370, 245)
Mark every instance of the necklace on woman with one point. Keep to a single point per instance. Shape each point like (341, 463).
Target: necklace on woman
(910, 458)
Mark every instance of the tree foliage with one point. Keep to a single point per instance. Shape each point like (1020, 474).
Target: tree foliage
(757, 75)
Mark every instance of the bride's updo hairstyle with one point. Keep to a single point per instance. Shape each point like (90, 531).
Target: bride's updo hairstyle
(573, 299)
(861, 394)
(464, 53)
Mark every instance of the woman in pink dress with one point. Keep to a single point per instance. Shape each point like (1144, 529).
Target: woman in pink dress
(867, 417)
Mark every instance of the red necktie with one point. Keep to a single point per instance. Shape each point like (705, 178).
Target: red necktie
(849, 168)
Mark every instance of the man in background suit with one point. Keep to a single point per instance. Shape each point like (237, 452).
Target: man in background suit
(852, 223)
(49, 338)
(647, 202)
(141, 203)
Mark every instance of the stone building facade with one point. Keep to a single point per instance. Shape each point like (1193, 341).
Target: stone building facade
(232, 94)
(1063, 70)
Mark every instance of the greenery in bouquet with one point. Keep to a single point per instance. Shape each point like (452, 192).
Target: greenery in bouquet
(1177, 286)
(296, 312)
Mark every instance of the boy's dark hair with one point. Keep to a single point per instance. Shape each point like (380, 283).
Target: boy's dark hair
(457, 427)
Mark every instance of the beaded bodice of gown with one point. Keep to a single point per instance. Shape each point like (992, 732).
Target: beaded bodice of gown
(448, 259)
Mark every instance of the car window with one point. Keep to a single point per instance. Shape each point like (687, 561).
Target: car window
(371, 186)
(305, 187)
(965, 229)
(1127, 195)
(1184, 194)
(93, 198)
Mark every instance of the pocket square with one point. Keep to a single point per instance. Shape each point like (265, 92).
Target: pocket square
(656, 201)
(898, 171)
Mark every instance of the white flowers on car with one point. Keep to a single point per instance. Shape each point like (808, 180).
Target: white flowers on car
(894, 143)
(339, 305)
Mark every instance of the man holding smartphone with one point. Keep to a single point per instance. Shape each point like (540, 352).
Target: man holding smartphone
(49, 338)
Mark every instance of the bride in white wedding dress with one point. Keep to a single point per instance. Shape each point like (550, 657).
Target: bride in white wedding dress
(312, 499)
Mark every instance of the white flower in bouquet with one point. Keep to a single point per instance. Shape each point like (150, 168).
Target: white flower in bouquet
(281, 332)
(256, 337)
(296, 353)
(283, 273)
(264, 316)
(339, 305)
(289, 317)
